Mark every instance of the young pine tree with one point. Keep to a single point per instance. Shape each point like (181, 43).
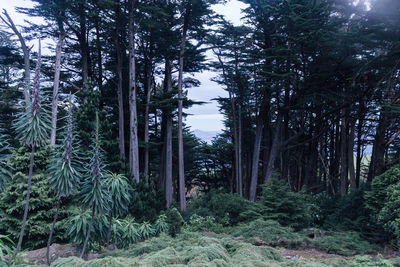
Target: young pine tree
(32, 128)
(94, 193)
(64, 170)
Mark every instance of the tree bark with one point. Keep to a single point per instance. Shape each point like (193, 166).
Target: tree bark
(54, 102)
(274, 150)
(27, 71)
(121, 120)
(28, 195)
(168, 141)
(147, 112)
(350, 156)
(256, 158)
(133, 124)
(343, 155)
(52, 231)
(181, 167)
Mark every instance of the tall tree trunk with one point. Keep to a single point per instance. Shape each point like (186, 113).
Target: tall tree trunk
(28, 195)
(343, 155)
(256, 158)
(359, 141)
(133, 124)
(56, 84)
(52, 231)
(146, 118)
(83, 43)
(27, 71)
(274, 150)
(99, 59)
(181, 167)
(121, 120)
(350, 155)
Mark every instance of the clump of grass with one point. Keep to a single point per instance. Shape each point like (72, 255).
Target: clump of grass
(344, 243)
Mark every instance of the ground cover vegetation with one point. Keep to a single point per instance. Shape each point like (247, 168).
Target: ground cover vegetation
(94, 151)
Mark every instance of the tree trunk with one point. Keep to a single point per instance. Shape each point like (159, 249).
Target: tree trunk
(54, 102)
(181, 167)
(27, 71)
(28, 194)
(274, 150)
(350, 156)
(133, 124)
(88, 234)
(52, 231)
(168, 141)
(343, 156)
(121, 120)
(146, 115)
(256, 158)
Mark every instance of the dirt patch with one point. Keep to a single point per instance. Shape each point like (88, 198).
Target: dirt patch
(307, 254)
(38, 256)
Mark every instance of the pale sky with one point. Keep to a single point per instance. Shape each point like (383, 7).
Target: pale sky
(205, 117)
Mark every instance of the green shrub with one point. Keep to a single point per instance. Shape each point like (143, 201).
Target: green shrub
(270, 233)
(161, 225)
(174, 220)
(227, 209)
(344, 243)
(41, 211)
(288, 208)
(198, 223)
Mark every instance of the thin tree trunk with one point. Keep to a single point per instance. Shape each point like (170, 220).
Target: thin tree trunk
(54, 102)
(52, 231)
(168, 142)
(28, 194)
(109, 233)
(274, 150)
(181, 167)
(359, 142)
(27, 75)
(88, 234)
(350, 156)
(146, 116)
(343, 153)
(256, 158)
(133, 124)
(239, 148)
(99, 57)
(121, 120)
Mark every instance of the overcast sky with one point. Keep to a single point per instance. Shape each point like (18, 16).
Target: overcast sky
(205, 117)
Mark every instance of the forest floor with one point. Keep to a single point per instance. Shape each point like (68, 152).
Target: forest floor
(207, 249)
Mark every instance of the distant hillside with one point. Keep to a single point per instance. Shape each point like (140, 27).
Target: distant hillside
(206, 136)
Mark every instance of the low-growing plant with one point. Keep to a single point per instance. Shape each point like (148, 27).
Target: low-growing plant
(146, 230)
(198, 223)
(161, 224)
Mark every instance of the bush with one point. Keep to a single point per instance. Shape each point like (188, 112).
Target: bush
(269, 232)
(174, 220)
(197, 223)
(286, 207)
(41, 211)
(344, 243)
(227, 209)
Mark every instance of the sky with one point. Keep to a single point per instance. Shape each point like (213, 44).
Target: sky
(205, 117)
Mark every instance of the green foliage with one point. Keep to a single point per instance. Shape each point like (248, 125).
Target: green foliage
(198, 223)
(78, 226)
(161, 224)
(41, 211)
(146, 203)
(227, 209)
(95, 194)
(174, 220)
(146, 230)
(269, 232)
(6, 248)
(5, 170)
(344, 243)
(120, 191)
(125, 232)
(286, 207)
